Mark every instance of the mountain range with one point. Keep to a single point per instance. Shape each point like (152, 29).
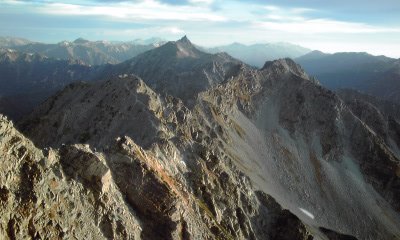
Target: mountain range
(257, 54)
(106, 52)
(29, 78)
(88, 52)
(177, 143)
(375, 75)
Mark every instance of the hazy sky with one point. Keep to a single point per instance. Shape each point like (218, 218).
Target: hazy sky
(328, 25)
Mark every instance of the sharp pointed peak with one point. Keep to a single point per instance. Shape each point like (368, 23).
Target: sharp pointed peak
(184, 39)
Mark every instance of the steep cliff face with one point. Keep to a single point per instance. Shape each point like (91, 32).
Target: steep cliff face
(381, 116)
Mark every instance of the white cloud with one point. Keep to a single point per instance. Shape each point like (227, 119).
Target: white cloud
(271, 8)
(313, 26)
(171, 31)
(302, 10)
(133, 11)
(295, 20)
(207, 2)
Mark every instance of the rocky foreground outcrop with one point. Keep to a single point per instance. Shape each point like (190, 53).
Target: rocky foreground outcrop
(51, 194)
(126, 192)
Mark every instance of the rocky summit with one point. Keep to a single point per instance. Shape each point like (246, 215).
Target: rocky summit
(246, 154)
(178, 69)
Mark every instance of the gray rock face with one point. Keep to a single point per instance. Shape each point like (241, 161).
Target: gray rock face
(126, 192)
(97, 114)
(54, 195)
(381, 116)
(301, 142)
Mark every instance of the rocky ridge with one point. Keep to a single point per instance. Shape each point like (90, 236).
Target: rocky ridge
(178, 69)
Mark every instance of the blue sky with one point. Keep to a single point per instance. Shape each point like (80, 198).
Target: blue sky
(330, 26)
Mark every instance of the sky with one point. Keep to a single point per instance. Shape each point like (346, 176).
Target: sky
(326, 25)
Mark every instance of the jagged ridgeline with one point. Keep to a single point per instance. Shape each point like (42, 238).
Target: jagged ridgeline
(201, 146)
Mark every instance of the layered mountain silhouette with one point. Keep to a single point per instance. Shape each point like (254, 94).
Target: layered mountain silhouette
(257, 54)
(28, 79)
(375, 75)
(10, 42)
(88, 52)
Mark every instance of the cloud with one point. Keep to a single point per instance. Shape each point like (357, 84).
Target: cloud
(207, 2)
(171, 30)
(135, 11)
(313, 26)
(298, 20)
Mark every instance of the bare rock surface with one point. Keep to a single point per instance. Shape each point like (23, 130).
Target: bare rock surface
(98, 113)
(126, 192)
(50, 194)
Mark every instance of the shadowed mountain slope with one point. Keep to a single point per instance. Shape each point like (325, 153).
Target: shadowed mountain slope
(375, 75)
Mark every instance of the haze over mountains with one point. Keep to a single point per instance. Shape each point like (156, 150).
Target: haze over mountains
(89, 52)
(177, 143)
(375, 75)
(29, 78)
(257, 54)
(103, 52)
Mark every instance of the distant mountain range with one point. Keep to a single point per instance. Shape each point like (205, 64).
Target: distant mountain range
(89, 52)
(257, 54)
(375, 75)
(29, 78)
(10, 42)
(105, 52)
